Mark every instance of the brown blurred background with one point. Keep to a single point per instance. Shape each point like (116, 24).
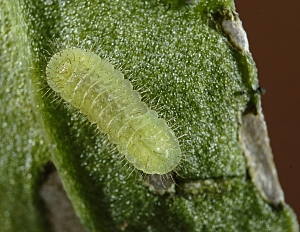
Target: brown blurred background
(273, 29)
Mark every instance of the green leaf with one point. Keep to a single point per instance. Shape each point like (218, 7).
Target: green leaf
(176, 51)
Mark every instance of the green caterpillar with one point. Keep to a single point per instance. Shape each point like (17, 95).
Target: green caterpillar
(100, 92)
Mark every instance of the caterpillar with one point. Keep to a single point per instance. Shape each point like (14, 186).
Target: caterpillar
(234, 29)
(99, 91)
